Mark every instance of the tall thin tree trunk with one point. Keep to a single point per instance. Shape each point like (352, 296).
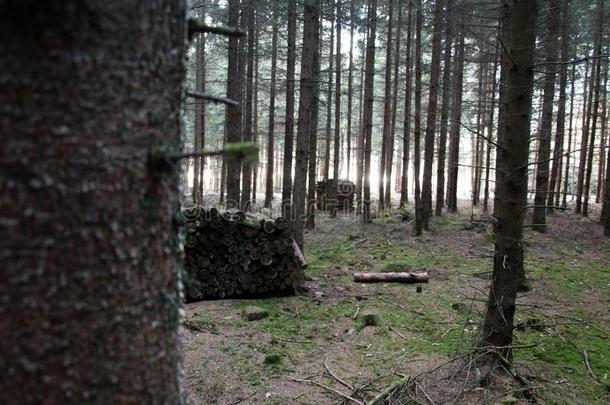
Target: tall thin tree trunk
(442, 143)
(490, 126)
(588, 99)
(387, 107)
(306, 101)
(368, 108)
(391, 139)
(546, 125)
(512, 190)
(555, 177)
(313, 134)
(406, 139)
(595, 90)
(271, 135)
(329, 98)
(456, 117)
(350, 90)
(256, 164)
(417, 118)
(337, 146)
(360, 145)
(604, 134)
(90, 285)
(246, 186)
(233, 115)
(426, 197)
(564, 201)
(289, 121)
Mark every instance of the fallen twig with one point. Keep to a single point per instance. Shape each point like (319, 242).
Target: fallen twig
(243, 399)
(326, 387)
(585, 355)
(397, 332)
(356, 314)
(385, 393)
(348, 385)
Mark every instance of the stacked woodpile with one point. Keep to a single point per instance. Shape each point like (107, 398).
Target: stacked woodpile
(344, 196)
(229, 254)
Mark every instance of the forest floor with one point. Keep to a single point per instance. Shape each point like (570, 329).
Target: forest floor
(563, 322)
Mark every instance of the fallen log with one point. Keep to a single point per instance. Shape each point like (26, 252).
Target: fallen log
(391, 277)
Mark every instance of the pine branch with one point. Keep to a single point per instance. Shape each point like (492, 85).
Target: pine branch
(209, 97)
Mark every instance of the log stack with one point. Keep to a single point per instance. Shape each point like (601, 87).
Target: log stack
(230, 254)
(345, 194)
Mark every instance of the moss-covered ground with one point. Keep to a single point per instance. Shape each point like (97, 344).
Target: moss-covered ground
(563, 320)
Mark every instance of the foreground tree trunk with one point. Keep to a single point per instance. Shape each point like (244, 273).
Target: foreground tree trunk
(511, 189)
(90, 281)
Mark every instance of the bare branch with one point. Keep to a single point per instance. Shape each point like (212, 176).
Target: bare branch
(213, 99)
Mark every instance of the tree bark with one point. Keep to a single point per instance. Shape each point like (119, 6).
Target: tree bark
(91, 100)
(387, 107)
(456, 117)
(289, 121)
(329, 99)
(595, 90)
(337, 146)
(442, 142)
(368, 109)
(233, 115)
(566, 176)
(546, 125)
(306, 95)
(555, 177)
(271, 135)
(417, 120)
(246, 186)
(406, 139)
(350, 90)
(512, 190)
(391, 277)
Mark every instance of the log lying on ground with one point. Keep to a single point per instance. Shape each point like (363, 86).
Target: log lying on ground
(391, 277)
(229, 253)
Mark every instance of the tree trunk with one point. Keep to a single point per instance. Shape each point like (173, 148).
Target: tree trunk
(289, 121)
(582, 164)
(90, 255)
(350, 90)
(329, 98)
(417, 118)
(233, 115)
(313, 135)
(271, 135)
(406, 139)
(512, 190)
(368, 109)
(595, 90)
(555, 177)
(456, 117)
(604, 134)
(490, 126)
(426, 197)
(337, 147)
(391, 139)
(306, 95)
(442, 142)
(246, 186)
(564, 202)
(360, 145)
(387, 107)
(546, 125)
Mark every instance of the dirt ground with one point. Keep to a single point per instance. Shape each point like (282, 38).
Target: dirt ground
(314, 349)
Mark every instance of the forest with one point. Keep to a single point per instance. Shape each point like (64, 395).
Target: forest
(305, 202)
